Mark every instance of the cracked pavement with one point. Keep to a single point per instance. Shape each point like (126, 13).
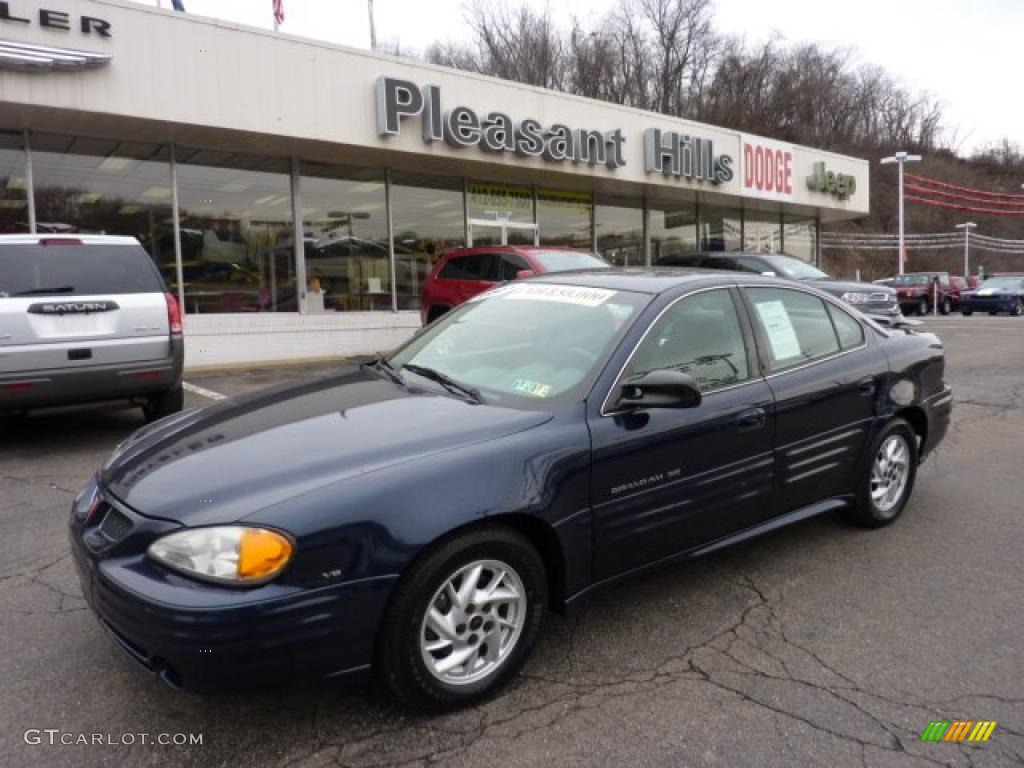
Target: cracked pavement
(819, 645)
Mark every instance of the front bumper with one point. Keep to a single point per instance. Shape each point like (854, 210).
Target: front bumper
(206, 638)
(64, 386)
(989, 303)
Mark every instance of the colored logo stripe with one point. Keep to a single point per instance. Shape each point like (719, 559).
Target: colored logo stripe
(958, 730)
(935, 730)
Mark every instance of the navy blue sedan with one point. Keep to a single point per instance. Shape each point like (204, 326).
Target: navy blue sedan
(997, 294)
(417, 515)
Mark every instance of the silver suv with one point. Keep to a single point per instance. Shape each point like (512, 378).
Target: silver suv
(86, 318)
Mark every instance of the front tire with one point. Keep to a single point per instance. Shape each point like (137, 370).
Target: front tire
(966, 311)
(922, 307)
(947, 306)
(463, 619)
(887, 476)
(1018, 308)
(164, 404)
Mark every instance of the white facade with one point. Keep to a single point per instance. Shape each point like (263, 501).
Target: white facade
(185, 81)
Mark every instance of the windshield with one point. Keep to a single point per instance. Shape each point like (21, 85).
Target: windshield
(794, 269)
(562, 261)
(1003, 284)
(911, 280)
(525, 345)
(76, 270)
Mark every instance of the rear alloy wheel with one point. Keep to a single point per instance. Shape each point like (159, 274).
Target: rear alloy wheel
(887, 475)
(164, 404)
(922, 307)
(463, 619)
(947, 306)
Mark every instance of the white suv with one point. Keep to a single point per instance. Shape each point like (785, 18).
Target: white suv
(86, 318)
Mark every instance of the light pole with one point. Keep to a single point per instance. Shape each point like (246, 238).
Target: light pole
(901, 158)
(967, 226)
(373, 27)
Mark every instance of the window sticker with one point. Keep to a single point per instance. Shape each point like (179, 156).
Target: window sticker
(777, 325)
(564, 294)
(534, 388)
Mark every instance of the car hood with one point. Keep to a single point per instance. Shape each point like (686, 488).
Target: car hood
(839, 287)
(225, 462)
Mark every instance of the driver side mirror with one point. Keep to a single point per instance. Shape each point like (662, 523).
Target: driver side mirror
(660, 389)
(522, 274)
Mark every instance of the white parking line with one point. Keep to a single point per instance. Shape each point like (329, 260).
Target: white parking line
(203, 391)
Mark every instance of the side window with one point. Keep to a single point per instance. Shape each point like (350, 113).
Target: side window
(850, 332)
(476, 266)
(509, 264)
(720, 262)
(699, 335)
(795, 325)
(747, 264)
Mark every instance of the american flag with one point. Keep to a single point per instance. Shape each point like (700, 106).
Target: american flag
(279, 11)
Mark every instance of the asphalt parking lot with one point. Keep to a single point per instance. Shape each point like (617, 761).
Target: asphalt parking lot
(821, 645)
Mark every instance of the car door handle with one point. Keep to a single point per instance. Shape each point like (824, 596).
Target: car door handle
(867, 387)
(751, 419)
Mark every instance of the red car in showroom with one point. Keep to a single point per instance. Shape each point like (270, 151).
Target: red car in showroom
(464, 272)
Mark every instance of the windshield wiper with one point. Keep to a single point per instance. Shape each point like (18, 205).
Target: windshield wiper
(381, 364)
(41, 291)
(445, 381)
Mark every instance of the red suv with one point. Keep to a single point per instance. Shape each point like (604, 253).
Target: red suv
(463, 273)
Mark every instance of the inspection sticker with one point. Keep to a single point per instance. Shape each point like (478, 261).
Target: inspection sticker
(534, 388)
(779, 328)
(565, 294)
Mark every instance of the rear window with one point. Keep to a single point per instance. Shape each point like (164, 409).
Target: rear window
(562, 261)
(76, 270)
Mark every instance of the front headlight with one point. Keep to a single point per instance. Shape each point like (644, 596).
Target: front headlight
(856, 298)
(228, 554)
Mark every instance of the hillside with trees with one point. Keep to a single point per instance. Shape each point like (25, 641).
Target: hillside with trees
(666, 56)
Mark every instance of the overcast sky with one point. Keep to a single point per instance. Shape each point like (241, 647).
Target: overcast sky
(968, 53)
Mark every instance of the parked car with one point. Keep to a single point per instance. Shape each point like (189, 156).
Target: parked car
(958, 286)
(86, 318)
(418, 514)
(997, 294)
(463, 273)
(876, 301)
(918, 293)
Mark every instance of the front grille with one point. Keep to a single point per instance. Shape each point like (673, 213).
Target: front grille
(882, 298)
(115, 526)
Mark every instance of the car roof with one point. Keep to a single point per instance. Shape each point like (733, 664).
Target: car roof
(653, 280)
(456, 252)
(83, 239)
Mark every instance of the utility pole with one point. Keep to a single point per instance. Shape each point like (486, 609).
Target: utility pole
(373, 28)
(901, 158)
(967, 226)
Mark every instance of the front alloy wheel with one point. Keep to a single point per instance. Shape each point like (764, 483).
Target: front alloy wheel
(463, 618)
(1018, 308)
(473, 622)
(922, 307)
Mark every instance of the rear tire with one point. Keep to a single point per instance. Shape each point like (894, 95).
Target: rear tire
(491, 637)
(922, 307)
(947, 306)
(886, 476)
(966, 312)
(164, 404)
(435, 312)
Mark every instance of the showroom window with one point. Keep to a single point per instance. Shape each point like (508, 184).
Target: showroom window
(493, 201)
(620, 234)
(673, 233)
(237, 244)
(762, 232)
(427, 218)
(104, 187)
(13, 185)
(798, 238)
(345, 220)
(720, 229)
(565, 218)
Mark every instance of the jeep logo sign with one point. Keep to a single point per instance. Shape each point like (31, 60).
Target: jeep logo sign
(842, 185)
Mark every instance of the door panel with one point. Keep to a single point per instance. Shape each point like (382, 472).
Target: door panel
(667, 480)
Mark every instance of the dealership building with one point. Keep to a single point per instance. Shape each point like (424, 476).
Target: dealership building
(295, 193)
